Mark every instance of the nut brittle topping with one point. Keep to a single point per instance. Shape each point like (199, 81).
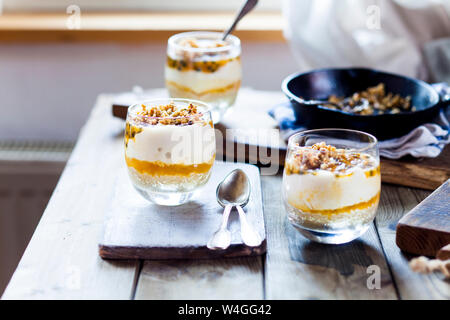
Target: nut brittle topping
(321, 156)
(169, 114)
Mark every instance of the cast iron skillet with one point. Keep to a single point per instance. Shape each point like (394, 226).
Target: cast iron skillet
(320, 84)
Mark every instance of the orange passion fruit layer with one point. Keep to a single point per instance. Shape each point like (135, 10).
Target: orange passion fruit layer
(159, 168)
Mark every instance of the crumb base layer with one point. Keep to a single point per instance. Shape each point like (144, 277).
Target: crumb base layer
(167, 183)
(332, 228)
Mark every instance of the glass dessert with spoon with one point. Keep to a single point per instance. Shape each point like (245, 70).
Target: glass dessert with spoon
(202, 66)
(169, 148)
(331, 183)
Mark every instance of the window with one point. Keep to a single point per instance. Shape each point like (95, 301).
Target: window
(135, 5)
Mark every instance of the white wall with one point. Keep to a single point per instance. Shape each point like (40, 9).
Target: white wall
(48, 90)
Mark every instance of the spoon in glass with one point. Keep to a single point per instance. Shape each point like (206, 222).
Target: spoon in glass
(246, 8)
(234, 190)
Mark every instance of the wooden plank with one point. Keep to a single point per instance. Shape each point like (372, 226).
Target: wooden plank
(61, 260)
(138, 27)
(112, 21)
(297, 268)
(233, 278)
(427, 173)
(253, 142)
(426, 228)
(395, 202)
(136, 229)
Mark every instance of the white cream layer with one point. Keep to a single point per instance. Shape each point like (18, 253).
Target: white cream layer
(204, 81)
(324, 191)
(190, 144)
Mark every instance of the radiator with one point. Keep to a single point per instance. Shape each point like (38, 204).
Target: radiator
(29, 171)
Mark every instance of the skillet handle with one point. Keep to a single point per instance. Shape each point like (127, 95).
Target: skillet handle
(443, 89)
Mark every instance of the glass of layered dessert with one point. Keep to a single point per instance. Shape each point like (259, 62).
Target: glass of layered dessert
(202, 66)
(331, 183)
(169, 148)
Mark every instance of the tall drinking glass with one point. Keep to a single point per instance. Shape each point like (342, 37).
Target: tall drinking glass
(203, 67)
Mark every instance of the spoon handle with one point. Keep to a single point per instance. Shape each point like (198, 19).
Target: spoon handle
(226, 215)
(221, 239)
(248, 235)
(246, 8)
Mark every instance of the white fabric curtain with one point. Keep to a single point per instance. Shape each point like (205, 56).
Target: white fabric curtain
(384, 34)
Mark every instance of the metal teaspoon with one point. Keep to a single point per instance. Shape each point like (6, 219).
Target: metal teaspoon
(246, 8)
(234, 190)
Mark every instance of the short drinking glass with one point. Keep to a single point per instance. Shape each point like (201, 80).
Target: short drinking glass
(331, 183)
(169, 148)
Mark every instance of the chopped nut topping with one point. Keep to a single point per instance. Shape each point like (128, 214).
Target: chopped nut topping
(170, 115)
(321, 156)
(373, 100)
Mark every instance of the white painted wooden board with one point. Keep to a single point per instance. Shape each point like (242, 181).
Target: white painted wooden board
(296, 268)
(61, 260)
(394, 203)
(137, 229)
(230, 278)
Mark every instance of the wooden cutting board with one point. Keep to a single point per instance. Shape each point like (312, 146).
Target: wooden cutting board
(426, 228)
(249, 120)
(136, 229)
(246, 127)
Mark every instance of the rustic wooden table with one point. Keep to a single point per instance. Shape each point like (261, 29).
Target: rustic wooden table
(62, 261)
